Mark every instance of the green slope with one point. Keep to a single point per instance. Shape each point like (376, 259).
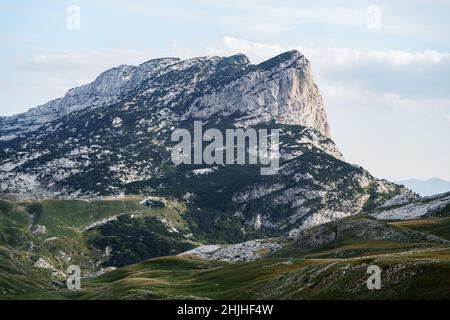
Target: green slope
(414, 258)
(187, 277)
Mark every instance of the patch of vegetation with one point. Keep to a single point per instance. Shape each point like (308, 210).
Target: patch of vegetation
(133, 240)
(35, 209)
(437, 226)
(445, 212)
(211, 226)
(14, 225)
(58, 215)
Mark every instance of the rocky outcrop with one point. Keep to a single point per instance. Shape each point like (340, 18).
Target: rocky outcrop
(241, 252)
(399, 200)
(111, 86)
(102, 222)
(407, 208)
(39, 230)
(122, 143)
(362, 228)
(43, 263)
(281, 89)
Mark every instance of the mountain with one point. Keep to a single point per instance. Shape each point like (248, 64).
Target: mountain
(88, 180)
(427, 187)
(112, 137)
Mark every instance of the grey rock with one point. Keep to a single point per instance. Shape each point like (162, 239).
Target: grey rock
(415, 208)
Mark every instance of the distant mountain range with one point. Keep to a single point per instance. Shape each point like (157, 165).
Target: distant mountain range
(427, 187)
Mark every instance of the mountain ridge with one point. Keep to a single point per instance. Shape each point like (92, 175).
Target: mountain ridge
(124, 146)
(106, 88)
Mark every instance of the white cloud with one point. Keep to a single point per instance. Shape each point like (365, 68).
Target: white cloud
(447, 116)
(85, 64)
(275, 18)
(277, 21)
(270, 17)
(337, 57)
(421, 74)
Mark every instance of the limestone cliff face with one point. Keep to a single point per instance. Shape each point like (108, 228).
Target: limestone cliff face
(281, 89)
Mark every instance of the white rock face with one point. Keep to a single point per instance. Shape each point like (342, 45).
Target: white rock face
(413, 209)
(281, 90)
(318, 218)
(62, 256)
(39, 230)
(106, 89)
(258, 223)
(42, 263)
(255, 192)
(102, 222)
(117, 122)
(203, 171)
(285, 93)
(399, 200)
(202, 250)
(246, 251)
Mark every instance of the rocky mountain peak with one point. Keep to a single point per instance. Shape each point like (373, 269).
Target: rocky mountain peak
(110, 83)
(112, 136)
(293, 58)
(280, 89)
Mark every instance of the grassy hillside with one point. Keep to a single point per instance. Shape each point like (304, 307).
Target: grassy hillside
(325, 262)
(60, 215)
(277, 278)
(437, 226)
(53, 230)
(358, 236)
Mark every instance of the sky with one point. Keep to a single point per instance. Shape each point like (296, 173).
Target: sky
(383, 67)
